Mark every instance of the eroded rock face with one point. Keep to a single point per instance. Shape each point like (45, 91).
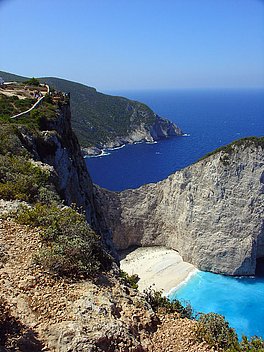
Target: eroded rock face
(57, 146)
(210, 212)
(160, 129)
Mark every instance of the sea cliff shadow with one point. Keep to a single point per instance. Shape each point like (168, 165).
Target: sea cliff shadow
(125, 252)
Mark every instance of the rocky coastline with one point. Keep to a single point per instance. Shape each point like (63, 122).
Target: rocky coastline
(161, 129)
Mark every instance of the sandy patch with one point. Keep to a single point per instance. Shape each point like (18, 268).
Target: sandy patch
(159, 267)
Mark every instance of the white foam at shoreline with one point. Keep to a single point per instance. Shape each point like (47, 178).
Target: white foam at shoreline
(114, 148)
(103, 153)
(186, 135)
(184, 282)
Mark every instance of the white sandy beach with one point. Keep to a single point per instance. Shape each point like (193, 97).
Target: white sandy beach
(159, 267)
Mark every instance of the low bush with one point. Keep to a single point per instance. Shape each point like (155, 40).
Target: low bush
(131, 280)
(163, 304)
(21, 179)
(70, 247)
(215, 330)
(10, 141)
(255, 344)
(32, 82)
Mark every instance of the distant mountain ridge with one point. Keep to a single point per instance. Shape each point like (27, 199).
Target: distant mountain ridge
(102, 121)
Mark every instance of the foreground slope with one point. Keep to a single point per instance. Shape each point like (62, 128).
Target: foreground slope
(211, 212)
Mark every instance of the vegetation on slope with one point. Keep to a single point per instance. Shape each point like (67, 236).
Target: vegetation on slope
(10, 106)
(70, 248)
(98, 118)
(242, 143)
(215, 330)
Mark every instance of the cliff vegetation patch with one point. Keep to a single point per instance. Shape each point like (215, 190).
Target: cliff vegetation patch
(21, 179)
(160, 303)
(70, 247)
(240, 143)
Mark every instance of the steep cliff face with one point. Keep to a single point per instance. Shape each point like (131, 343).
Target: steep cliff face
(57, 146)
(211, 212)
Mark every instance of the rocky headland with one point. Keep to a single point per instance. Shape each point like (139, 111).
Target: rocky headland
(102, 121)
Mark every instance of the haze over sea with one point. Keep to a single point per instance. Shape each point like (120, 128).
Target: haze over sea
(211, 118)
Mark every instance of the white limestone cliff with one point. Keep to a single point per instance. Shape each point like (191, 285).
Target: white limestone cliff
(211, 212)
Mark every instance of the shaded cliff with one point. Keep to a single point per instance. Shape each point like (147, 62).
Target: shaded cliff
(45, 139)
(211, 212)
(56, 145)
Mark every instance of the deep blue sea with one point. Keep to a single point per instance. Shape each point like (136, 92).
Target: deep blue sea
(211, 119)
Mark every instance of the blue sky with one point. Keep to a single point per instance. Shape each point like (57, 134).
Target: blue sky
(136, 44)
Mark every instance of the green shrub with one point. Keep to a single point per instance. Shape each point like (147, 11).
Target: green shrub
(255, 344)
(10, 106)
(10, 141)
(70, 247)
(163, 304)
(23, 180)
(215, 330)
(131, 280)
(32, 82)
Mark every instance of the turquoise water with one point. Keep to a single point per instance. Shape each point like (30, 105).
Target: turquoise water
(240, 300)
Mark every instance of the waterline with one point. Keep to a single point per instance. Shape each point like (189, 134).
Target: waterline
(240, 300)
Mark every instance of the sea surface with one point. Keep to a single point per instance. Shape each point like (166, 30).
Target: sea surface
(240, 300)
(209, 119)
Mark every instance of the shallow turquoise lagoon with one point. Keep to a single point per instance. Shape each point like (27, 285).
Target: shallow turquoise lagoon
(240, 300)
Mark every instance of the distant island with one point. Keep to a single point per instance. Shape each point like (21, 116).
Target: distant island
(103, 121)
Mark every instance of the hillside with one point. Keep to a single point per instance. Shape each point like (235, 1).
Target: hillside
(101, 120)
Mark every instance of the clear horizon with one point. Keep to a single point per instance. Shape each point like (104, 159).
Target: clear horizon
(155, 45)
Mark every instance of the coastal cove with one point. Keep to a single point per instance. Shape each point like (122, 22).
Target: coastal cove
(211, 119)
(163, 269)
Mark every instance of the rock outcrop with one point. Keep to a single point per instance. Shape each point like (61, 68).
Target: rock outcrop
(160, 129)
(140, 132)
(210, 212)
(57, 146)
